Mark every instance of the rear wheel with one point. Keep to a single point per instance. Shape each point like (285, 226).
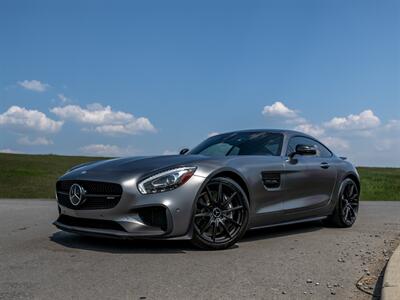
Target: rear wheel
(346, 210)
(221, 215)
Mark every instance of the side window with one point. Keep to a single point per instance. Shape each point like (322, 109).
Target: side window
(322, 151)
(217, 149)
(291, 145)
(262, 144)
(273, 146)
(298, 140)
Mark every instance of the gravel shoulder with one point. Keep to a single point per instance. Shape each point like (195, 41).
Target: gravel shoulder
(306, 261)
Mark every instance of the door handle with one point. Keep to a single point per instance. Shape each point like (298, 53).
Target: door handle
(324, 165)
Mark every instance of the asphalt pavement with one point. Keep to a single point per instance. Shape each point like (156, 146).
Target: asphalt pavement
(307, 261)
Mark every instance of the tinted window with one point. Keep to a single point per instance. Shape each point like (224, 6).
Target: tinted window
(322, 151)
(241, 143)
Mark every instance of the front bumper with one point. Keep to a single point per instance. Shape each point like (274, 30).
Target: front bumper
(127, 218)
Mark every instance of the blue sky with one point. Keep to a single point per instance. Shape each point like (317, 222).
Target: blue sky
(149, 77)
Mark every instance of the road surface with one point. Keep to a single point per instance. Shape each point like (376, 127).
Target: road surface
(305, 261)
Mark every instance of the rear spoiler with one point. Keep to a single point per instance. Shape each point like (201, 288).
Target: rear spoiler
(342, 157)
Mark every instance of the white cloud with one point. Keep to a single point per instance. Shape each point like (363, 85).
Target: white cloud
(313, 130)
(34, 85)
(133, 127)
(393, 125)
(63, 98)
(387, 144)
(170, 152)
(212, 134)
(104, 119)
(93, 114)
(335, 143)
(25, 140)
(106, 150)
(280, 110)
(8, 150)
(362, 121)
(22, 119)
(292, 117)
(353, 135)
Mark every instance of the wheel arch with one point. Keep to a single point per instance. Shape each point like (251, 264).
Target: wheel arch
(227, 173)
(356, 179)
(235, 177)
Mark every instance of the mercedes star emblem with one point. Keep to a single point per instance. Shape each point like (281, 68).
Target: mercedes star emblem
(76, 194)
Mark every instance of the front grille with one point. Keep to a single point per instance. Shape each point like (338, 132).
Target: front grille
(91, 187)
(99, 195)
(90, 223)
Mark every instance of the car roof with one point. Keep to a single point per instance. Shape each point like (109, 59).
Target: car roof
(287, 132)
(283, 131)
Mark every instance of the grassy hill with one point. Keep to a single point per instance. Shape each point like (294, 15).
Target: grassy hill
(34, 176)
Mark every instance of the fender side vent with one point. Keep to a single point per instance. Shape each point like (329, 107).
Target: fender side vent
(271, 180)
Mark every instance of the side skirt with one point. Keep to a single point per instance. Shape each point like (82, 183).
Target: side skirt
(290, 222)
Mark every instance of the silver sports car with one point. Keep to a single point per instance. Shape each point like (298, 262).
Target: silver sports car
(212, 194)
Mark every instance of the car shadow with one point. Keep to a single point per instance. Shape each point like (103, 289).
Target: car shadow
(283, 230)
(118, 246)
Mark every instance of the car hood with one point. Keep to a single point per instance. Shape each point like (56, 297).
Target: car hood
(137, 165)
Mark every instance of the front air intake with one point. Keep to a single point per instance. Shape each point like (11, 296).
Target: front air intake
(154, 216)
(90, 223)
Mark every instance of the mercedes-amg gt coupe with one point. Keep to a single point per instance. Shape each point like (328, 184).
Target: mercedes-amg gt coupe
(212, 194)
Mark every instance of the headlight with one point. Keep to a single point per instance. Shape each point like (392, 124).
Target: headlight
(166, 181)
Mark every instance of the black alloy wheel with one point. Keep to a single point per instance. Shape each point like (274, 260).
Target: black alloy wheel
(346, 210)
(221, 214)
(349, 200)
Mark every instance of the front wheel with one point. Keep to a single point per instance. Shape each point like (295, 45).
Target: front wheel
(221, 214)
(346, 210)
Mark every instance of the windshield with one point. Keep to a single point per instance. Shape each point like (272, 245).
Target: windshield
(241, 143)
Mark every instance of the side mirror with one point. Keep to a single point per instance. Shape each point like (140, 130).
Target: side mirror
(303, 150)
(184, 151)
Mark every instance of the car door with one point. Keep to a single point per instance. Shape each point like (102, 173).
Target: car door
(267, 191)
(264, 169)
(309, 179)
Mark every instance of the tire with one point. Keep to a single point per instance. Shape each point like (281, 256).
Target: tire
(221, 214)
(346, 210)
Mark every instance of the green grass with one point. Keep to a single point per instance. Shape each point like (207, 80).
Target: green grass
(380, 183)
(34, 176)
